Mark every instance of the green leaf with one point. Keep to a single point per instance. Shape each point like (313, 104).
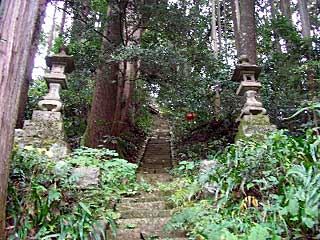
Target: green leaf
(85, 208)
(54, 195)
(131, 226)
(258, 232)
(293, 206)
(308, 222)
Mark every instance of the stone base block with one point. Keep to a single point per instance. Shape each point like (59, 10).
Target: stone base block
(46, 116)
(254, 127)
(87, 176)
(44, 130)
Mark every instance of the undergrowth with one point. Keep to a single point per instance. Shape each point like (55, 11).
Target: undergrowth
(256, 190)
(45, 200)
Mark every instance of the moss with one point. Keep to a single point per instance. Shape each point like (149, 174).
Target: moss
(254, 127)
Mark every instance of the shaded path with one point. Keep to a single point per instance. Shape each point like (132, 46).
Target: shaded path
(144, 215)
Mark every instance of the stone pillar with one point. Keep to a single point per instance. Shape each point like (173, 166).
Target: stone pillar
(45, 129)
(254, 123)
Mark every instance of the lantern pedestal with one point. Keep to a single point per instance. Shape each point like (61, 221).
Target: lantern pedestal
(254, 127)
(254, 123)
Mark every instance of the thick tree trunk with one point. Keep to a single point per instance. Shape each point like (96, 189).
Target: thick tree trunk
(248, 43)
(225, 28)
(285, 8)
(133, 38)
(28, 75)
(219, 24)
(236, 23)
(63, 19)
(17, 25)
(51, 34)
(105, 94)
(214, 42)
(305, 19)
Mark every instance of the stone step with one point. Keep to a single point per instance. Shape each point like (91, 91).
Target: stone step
(149, 213)
(142, 199)
(157, 154)
(162, 136)
(147, 160)
(157, 141)
(138, 234)
(156, 160)
(153, 170)
(161, 133)
(158, 150)
(157, 205)
(148, 224)
(152, 178)
(157, 166)
(156, 163)
(158, 146)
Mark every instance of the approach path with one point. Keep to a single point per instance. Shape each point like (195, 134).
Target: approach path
(144, 215)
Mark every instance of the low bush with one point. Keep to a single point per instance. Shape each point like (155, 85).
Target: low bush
(262, 190)
(45, 201)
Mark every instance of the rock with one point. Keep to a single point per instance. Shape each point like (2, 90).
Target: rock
(86, 176)
(59, 150)
(61, 168)
(205, 167)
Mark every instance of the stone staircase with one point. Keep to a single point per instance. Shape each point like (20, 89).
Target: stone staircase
(145, 215)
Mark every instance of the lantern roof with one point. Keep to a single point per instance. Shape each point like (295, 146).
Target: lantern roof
(244, 67)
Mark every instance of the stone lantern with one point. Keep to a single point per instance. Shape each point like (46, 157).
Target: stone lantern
(45, 129)
(247, 74)
(253, 119)
(59, 64)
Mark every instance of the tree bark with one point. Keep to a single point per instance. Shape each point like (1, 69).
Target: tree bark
(51, 34)
(248, 30)
(105, 94)
(63, 19)
(236, 23)
(305, 19)
(28, 75)
(285, 8)
(17, 25)
(219, 24)
(214, 42)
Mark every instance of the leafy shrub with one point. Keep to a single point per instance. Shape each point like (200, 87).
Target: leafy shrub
(44, 200)
(263, 190)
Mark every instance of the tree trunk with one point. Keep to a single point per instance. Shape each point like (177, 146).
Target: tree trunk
(219, 24)
(305, 19)
(28, 75)
(236, 23)
(285, 8)
(214, 42)
(105, 94)
(247, 45)
(133, 38)
(51, 34)
(17, 25)
(63, 19)
(225, 28)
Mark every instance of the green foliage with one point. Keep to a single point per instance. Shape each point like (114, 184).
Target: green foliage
(45, 200)
(117, 175)
(288, 60)
(37, 89)
(262, 190)
(57, 44)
